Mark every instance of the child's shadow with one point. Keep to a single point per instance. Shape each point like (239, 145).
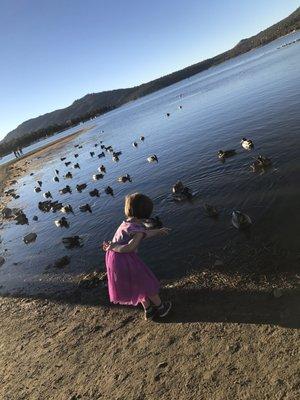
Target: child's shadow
(233, 306)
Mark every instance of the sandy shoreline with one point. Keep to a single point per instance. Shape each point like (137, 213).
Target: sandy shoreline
(7, 170)
(229, 336)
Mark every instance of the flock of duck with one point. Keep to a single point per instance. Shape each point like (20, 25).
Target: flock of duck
(180, 192)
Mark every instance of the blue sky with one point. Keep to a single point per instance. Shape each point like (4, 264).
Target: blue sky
(53, 52)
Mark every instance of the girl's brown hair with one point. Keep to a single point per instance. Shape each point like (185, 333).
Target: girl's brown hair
(138, 205)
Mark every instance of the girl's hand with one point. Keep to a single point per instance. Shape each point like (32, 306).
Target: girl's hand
(164, 231)
(107, 245)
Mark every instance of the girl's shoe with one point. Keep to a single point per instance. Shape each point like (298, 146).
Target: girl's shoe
(150, 312)
(163, 309)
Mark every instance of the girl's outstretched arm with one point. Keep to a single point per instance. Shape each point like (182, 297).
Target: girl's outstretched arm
(124, 248)
(157, 232)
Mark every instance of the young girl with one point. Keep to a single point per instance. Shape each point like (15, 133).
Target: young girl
(130, 281)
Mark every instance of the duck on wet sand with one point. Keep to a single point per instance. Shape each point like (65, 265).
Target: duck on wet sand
(57, 172)
(76, 155)
(63, 158)
(47, 195)
(85, 208)
(65, 190)
(68, 175)
(102, 169)
(101, 155)
(37, 189)
(40, 183)
(81, 187)
(125, 178)
(152, 158)
(134, 144)
(142, 138)
(76, 166)
(66, 209)
(96, 177)
(92, 153)
(68, 163)
(55, 179)
(94, 193)
(62, 223)
(115, 158)
(109, 191)
(247, 144)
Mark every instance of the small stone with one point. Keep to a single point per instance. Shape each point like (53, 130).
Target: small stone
(31, 237)
(162, 364)
(62, 262)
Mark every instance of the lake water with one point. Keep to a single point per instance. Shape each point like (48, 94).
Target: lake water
(256, 95)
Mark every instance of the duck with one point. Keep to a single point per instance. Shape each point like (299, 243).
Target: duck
(80, 147)
(125, 178)
(35, 218)
(85, 208)
(96, 144)
(181, 192)
(62, 223)
(55, 206)
(67, 163)
(40, 183)
(101, 155)
(57, 172)
(63, 158)
(153, 223)
(37, 189)
(109, 148)
(240, 220)
(94, 193)
(92, 153)
(109, 190)
(247, 144)
(115, 158)
(72, 241)
(180, 107)
(96, 177)
(76, 155)
(76, 145)
(222, 154)
(47, 195)
(102, 169)
(116, 153)
(260, 164)
(134, 144)
(102, 146)
(55, 179)
(210, 210)
(66, 209)
(45, 206)
(81, 187)
(142, 138)
(76, 166)
(68, 175)
(168, 114)
(152, 158)
(65, 190)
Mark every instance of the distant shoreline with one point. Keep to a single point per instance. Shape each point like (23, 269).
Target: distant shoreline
(6, 171)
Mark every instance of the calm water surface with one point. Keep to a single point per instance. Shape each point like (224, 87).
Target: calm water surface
(257, 96)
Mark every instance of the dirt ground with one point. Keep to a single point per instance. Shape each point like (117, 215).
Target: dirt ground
(233, 333)
(216, 344)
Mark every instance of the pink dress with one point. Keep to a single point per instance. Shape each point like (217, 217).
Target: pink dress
(129, 280)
